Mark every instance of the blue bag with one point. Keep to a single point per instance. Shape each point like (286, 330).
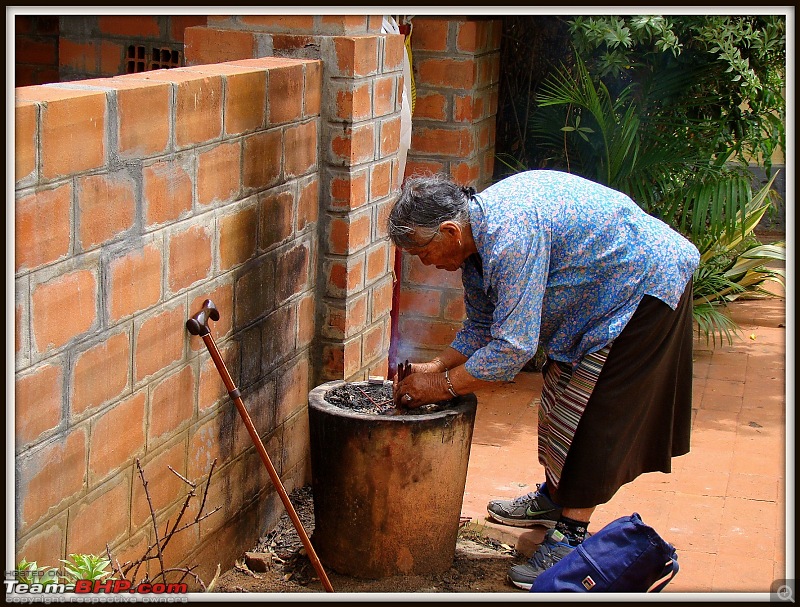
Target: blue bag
(624, 556)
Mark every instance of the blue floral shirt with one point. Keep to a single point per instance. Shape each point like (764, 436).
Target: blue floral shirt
(563, 261)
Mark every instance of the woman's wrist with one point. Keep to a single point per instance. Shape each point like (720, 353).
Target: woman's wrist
(438, 362)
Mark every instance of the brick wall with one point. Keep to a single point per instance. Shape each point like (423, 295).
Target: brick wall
(359, 139)
(110, 45)
(137, 197)
(456, 63)
(35, 49)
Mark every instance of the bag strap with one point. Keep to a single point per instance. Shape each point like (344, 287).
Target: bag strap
(670, 570)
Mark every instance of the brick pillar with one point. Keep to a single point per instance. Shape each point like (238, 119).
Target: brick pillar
(361, 135)
(456, 65)
(359, 140)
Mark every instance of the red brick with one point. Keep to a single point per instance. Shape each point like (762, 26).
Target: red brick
(372, 345)
(308, 204)
(101, 373)
(472, 36)
(101, 521)
(112, 58)
(106, 206)
(448, 73)
(222, 296)
(189, 257)
(163, 486)
(211, 387)
(296, 450)
(159, 342)
(277, 218)
(179, 23)
(466, 173)
(422, 167)
(135, 282)
(206, 45)
(237, 238)
(349, 234)
(313, 89)
(79, 56)
(381, 299)
(429, 35)
(171, 404)
(261, 407)
(343, 24)
(352, 145)
(443, 142)
(454, 306)
(39, 489)
(384, 95)
(144, 117)
(43, 224)
(344, 277)
(255, 292)
(306, 320)
(117, 437)
(345, 322)
(198, 117)
(291, 272)
(245, 102)
(136, 26)
(390, 136)
(432, 333)
(285, 94)
(348, 190)
(37, 404)
(431, 106)
(340, 361)
(263, 153)
(18, 329)
(377, 259)
(293, 386)
(206, 443)
(64, 308)
(356, 56)
(300, 154)
(218, 172)
(421, 302)
(73, 133)
(46, 545)
(280, 23)
(394, 50)
(468, 108)
(25, 126)
(380, 180)
(354, 101)
(382, 216)
(167, 189)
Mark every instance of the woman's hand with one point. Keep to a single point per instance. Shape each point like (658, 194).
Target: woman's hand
(420, 388)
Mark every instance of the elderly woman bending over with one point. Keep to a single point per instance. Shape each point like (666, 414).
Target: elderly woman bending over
(548, 258)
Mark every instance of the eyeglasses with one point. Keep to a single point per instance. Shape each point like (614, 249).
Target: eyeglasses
(430, 240)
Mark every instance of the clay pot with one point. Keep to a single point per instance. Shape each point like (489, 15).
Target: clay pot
(388, 490)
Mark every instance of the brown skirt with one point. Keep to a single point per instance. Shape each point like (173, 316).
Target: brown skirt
(638, 416)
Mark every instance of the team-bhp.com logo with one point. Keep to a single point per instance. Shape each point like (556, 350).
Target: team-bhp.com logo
(47, 588)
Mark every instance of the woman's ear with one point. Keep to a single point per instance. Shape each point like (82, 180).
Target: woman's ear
(451, 228)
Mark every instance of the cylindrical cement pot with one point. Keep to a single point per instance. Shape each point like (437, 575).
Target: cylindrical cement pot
(388, 490)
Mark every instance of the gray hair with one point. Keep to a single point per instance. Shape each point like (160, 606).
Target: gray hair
(424, 203)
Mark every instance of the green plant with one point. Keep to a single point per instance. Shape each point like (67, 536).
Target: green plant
(30, 573)
(734, 266)
(85, 567)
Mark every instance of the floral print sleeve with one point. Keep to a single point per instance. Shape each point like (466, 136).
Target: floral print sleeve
(563, 262)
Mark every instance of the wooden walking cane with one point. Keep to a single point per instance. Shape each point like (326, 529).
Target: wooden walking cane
(198, 325)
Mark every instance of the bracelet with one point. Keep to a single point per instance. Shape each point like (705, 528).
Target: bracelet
(439, 360)
(449, 383)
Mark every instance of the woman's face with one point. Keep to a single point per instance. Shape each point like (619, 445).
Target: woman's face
(442, 250)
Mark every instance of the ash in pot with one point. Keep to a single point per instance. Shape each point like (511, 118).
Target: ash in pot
(374, 399)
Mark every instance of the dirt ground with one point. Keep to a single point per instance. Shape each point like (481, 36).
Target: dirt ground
(279, 564)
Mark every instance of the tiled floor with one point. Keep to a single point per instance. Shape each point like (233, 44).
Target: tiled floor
(722, 507)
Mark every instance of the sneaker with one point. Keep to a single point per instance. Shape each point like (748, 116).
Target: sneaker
(550, 551)
(535, 508)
